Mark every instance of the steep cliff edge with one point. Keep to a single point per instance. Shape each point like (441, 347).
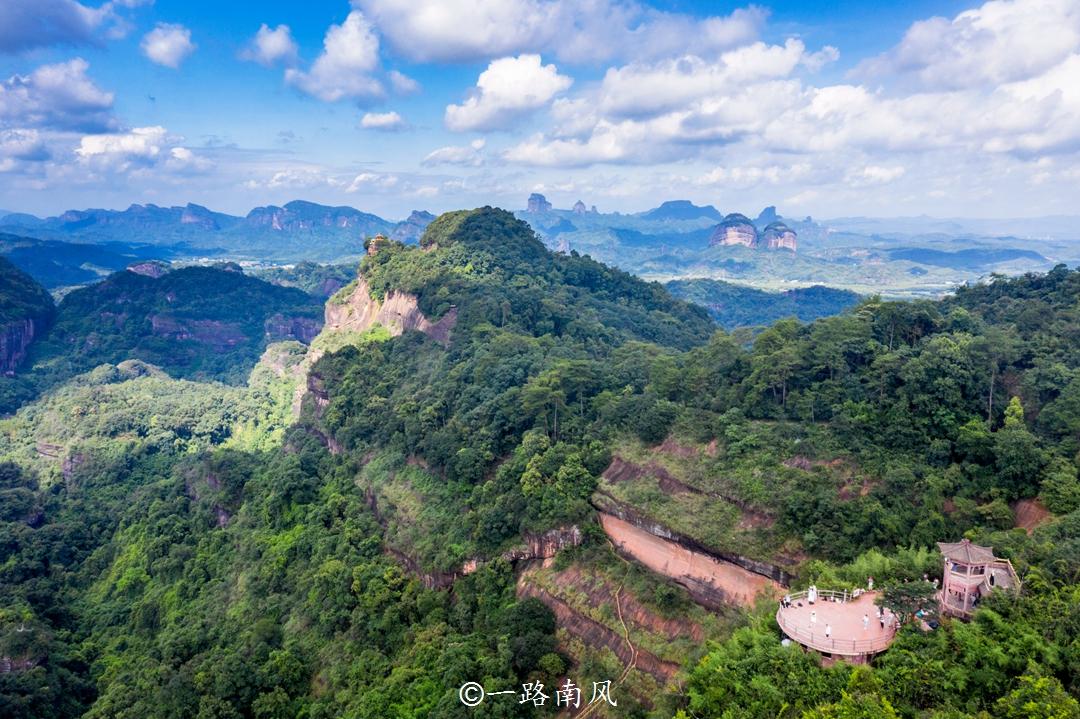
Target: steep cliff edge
(26, 309)
(354, 309)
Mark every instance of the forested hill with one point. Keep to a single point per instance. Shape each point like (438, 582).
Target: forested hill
(194, 322)
(166, 555)
(26, 309)
(734, 306)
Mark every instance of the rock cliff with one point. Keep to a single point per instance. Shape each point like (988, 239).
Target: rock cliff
(358, 311)
(778, 236)
(15, 339)
(735, 229)
(26, 309)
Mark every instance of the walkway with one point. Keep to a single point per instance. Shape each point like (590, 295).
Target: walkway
(847, 637)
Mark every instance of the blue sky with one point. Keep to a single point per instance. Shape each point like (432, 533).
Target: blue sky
(822, 108)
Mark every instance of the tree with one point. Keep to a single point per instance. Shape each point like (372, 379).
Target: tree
(905, 599)
(1037, 697)
(861, 700)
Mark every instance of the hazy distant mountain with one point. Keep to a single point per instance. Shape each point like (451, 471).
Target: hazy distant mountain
(298, 230)
(55, 263)
(410, 229)
(682, 210)
(1060, 227)
(969, 259)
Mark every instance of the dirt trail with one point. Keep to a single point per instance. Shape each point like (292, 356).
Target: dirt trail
(698, 572)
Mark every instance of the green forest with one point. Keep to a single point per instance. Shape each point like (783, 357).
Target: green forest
(191, 529)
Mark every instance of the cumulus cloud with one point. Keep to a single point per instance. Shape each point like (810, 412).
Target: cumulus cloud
(137, 149)
(999, 42)
(470, 155)
(271, 46)
(387, 121)
(402, 84)
(18, 146)
(58, 96)
(571, 30)
(369, 181)
(168, 44)
(27, 24)
(759, 98)
(344, 69)
(509, 88)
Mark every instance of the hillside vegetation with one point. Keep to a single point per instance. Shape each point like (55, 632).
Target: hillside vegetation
(179, 560)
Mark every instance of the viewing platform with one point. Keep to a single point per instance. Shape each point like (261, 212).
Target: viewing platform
(842, 615)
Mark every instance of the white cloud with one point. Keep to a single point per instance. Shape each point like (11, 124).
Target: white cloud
(402, 84)
(182, 159)
(1000, 42)
(344, 69)
(58, 96)
(509, 88)
(27, 24)
(138, 149)
(21, 146)
(168, 44)
(644, 89)
(875, 175)
(757, 99)
(382, 121)
(571, 30)
(470, 155)
(140, 144)
(372, 181)
(271, 46)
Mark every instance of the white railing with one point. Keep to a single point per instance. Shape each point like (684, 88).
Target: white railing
(816, 639)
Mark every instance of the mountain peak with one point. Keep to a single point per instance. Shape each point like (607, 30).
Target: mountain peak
(682, 210)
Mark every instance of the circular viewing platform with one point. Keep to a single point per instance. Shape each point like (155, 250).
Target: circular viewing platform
(833, 624)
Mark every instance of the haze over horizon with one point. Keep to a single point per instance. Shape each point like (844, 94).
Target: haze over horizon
(952, 109)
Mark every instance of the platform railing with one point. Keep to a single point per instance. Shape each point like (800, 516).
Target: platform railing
(816, 639)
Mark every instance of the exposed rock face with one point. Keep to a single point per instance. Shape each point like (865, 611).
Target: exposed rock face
(736, 229)
(399, 311)
(711, 581)
(15, 338)
(538, 203)
(545, 545)
(579, 208)
(778, 236)
(610, 506)
(209, 332)
(281, 327)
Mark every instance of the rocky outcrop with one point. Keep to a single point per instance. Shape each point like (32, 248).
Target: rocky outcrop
(538, 203)
(398, 312)
(712, 582)
(778, 236)
(608, 505)
(579, 208)
(283, 327)
(15, 339)
(735, 229)
(209, 332)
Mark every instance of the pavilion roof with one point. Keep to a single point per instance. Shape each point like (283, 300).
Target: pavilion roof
(966, 552)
